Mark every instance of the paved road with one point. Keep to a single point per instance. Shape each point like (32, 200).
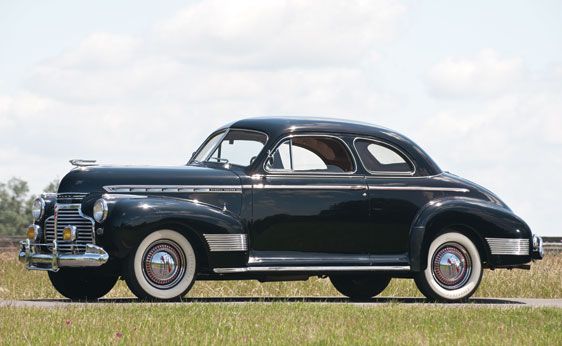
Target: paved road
(476, 302)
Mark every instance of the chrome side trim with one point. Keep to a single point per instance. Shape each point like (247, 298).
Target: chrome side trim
(175, 188)
(311, 187)
(383, 143)
(418, 188)
(227, 242)
(310, 269)
(508, 246)
(110, 196)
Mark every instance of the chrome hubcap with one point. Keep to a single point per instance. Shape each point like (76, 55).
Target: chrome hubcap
(451, 266)
(164, 264)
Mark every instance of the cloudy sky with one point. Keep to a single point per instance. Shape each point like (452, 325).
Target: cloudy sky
(477, 84)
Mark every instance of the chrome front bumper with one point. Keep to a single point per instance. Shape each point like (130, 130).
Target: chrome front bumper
(93, 256)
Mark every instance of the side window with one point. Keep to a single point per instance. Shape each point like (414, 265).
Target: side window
(378, 157)
(311, 154)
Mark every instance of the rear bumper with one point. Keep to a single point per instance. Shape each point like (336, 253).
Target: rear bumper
(93, 256)
(537, 250)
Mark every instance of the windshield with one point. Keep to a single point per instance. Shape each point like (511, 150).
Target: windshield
(237, 147)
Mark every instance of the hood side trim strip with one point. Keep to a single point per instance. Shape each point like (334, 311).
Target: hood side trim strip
(175, 188)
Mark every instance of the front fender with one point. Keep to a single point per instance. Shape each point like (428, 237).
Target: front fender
(483, 218)
(131, 219)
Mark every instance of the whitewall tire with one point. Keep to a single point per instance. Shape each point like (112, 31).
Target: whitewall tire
(454, 269)
(162, 267)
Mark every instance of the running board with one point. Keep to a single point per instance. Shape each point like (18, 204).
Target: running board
(311, 269)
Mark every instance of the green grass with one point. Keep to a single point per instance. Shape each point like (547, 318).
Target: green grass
(280, 323)
(544, 280)
(285, 322)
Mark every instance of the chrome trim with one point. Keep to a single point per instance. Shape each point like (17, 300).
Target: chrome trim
(41, 208)
(111, 196)
(311, 187)
(508, 246)
(175, 188)
(227, 242)
(310, 269)
(104, 210)
(538, 245)
(418, 188)
(382, 173)
(55, 219)
(83, 163)
(93, 256)
(289, 172)
(226, 131)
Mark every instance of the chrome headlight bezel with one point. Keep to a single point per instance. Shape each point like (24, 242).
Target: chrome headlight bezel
(38, 208)
(100, 210)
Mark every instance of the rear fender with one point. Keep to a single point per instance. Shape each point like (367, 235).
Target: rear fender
(478, 218)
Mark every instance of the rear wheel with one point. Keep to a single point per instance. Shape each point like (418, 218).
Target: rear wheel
(360, 286)
(162, 267)
(454, 269)
(82, 283)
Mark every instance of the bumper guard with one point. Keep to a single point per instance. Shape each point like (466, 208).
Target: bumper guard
(93, 256)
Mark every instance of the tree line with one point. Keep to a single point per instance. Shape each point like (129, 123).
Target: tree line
(16, 203)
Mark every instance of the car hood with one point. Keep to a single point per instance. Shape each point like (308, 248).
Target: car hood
(94, 178)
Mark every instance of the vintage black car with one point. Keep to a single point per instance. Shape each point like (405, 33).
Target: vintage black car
(277, 199)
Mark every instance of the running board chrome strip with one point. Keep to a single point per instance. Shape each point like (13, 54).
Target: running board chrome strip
(310, 269)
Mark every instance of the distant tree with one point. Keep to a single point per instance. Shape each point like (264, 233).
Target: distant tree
(15, 205)
(53, 186)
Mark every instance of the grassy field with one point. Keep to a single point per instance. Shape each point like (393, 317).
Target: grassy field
(280, 323)
(544, 280)
(285, 322)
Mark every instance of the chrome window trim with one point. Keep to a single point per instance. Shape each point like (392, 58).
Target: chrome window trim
(174, 188)
(284, 172)
(508, 246)
(385, 173)
(309, 269)
(226, 131)
(418, 188)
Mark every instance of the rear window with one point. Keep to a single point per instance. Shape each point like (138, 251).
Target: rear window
(382, 158)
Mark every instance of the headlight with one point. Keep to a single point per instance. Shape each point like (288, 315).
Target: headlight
(38, 208)
(100, 210)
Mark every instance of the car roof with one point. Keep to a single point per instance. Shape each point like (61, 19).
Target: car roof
(275, 127)
(281, 125)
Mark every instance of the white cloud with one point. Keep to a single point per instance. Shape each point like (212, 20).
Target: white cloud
(486, 74)
(153, 98)
(273, 34)
(509, 141)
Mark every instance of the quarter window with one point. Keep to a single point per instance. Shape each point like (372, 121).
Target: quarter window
(378, 157)
(311, 154)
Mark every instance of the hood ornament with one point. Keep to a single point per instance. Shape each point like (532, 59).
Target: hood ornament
(83, 163)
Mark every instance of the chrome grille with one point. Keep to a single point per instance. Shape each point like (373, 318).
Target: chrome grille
(69, 214)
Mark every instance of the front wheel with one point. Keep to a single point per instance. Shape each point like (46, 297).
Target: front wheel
(360, 286)
(162, 267)
(454, 269)
(82, 283)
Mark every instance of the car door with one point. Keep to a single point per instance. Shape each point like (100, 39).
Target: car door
(309, 205)
(395, 194)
